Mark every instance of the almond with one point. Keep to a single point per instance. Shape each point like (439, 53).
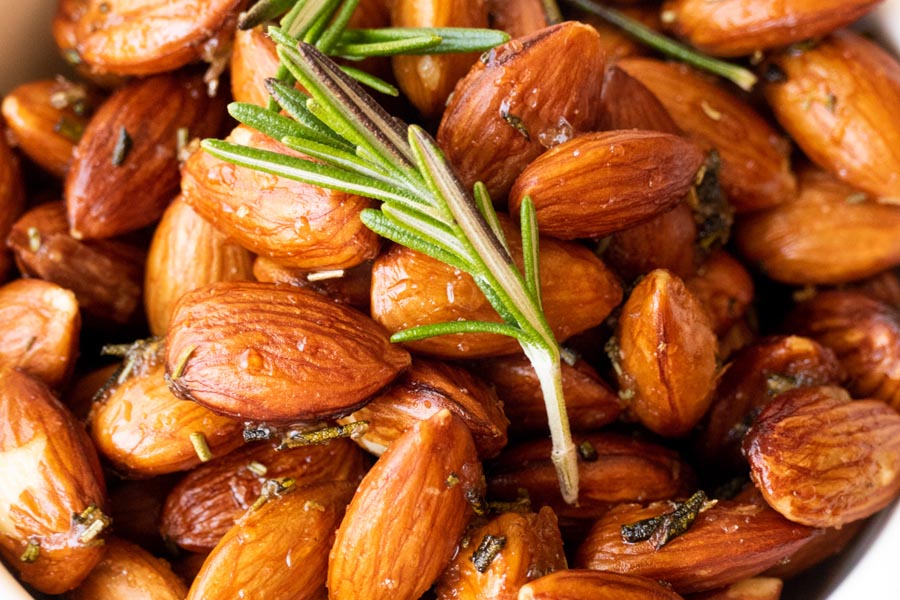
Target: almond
(753, 588)
(53, 493)
(265, 352)
(44, 340)
(125, 169)
(187, 253)
(519, 18)
(599, 183)
(575, 584)
(667, 241)
(629, 104)
(832, 541)
(402, 526)
(253, 59)
(520, 98)
(823, 460)
(884, 287)
(724, 288)
(79, 395)
(12, 201)
(137, 506)
(615, 43)
(347, 286)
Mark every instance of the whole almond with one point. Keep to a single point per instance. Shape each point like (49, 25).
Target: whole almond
(752, 588)
(836, 101)
(832, 541)
(629, 104)
(600, 183)
(519, 99)
(519, 18)
(12, 201)
(253, 59)
(137, 506)
(52, 477)
(724, 288)
(615, 43)
(575, 584)
(266, 352)
(667, 241)
(44, 340)
(347, 286)
(125, 169)
(187, 253)
(402, 526)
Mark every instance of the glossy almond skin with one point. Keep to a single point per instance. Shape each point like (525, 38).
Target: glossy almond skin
(137, 505)
(740, 27)
(724, 288)
(707, 556)
(12, 202)
(106, 276)
(421, 391)
(666, 354)
(600, 183)
(667, 241)
(518, 18)
(590, 403)
(187, 253)
(756, 169)
(409, 289)
(549, 80)
(864, 335)
(576, 584)
(626, 470)
(402, 526)
(204, 505)
(128, 37)
(295, 224)
(299, 356)
(629, 104)
(279, 550)
(253, 59)
(44, 340)
(105, 200)
(428, 80)
(348, 286)
(837, 105)
(51, 472)
(532, 547)
(832, 541)
(823, 460)
(752, 588)
(128, 571)
(829, 234)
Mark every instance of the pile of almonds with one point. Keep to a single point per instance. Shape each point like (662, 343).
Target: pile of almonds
(720, 266)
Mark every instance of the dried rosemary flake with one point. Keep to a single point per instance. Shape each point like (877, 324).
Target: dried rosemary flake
(514, 121)
(477, 502)
(452, 480)
(709, 111)
(522, 504)
(660, 530)
(323, 275)
(89, 524)
(777, 383)
(257, 468)
(201, 446)
(487, 551)
(34, 239)
(273, 488)
(69, 129)
(294, 439)
(122, 148)
(71, 56)
(32, 552)
(258, 432)
(181, 363)
(856, 198)
(587, 452)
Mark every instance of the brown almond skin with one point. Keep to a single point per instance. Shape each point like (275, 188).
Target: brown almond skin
(590, 402)
(600, 183)
(348, 286)
(725, 289)
(134, 38)
(823, 460)
(279, 550)
(864, 335)
(128, 571)
(752, 588)
(666, 354)
(295, 224)
(667, 241)
(299, 356)
(550, 81)
(629, 104)
(829, 234)
(106, 276)
(12, 201)
(421, 391)
(52, 473)
(532, 547)
(205, 504)
(402, 526)
(137, 506)
(186, 253)
(836, 103)
(104, 199)
(705, 557)
(576, 584)
(253, 59)
(44, 340)
(409, 289)
(517, 18)
(756, 169)
(741, 27)
(884, 287)
(831, 542)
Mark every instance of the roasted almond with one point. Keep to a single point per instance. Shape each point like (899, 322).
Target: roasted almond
(629, 104)
(12, 201)
(600, 183)
(518, 18)
(575, 584)
(266, 352)
(347, 286)
(752, 588)
(125, 169)
(884, 287)
(253, 59)
(832, 541)
(724, 288)
(823, 460)
(402, 526)
(137, 505)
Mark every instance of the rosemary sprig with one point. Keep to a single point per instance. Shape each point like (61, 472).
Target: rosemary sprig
(425, 207)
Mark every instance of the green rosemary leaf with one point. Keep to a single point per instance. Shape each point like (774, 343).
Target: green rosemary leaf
(552, 12)
(426, 331)
(293, 102)
(263, 11)
(378, 222)
(431, 229)
(305, 15)
(530, 245)
(416, 45)
(486, 208)
(453, 39)
(369, 80)
(331, 36)
(276, 126)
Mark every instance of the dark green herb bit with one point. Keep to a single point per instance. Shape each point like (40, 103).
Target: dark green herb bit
(90, 523)
(477, 502)
(32, 552)
(69, 129)
(258, 432)
(772, 73)
(294, 438)
(522, 504)
(274, 488)
(660, 530)
(452, 480)
(487, 551)
(587, 452)
(122, 148)
(713, 213)
(514, 122)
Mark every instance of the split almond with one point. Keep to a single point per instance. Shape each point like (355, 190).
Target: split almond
(576, 584)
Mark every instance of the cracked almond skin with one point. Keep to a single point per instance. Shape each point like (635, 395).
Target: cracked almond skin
(130, 37)
(205, 504)
(44, 340)
(532, 548)
(547, 85)
(266, 352)
(105, 199)
(756, 171)
(293, 223)
(12, 201)
(824, 460)
(724, 288)
(600, 183)
(51, 472)
(577, 584)
(837, 103)
(403, 525)
(707, 556)
(666, 355)
(742, 27)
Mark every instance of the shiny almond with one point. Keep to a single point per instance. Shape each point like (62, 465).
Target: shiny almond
(575, 584)
(12, 201)
(724, 288)
(253, 59)
(519, 18)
